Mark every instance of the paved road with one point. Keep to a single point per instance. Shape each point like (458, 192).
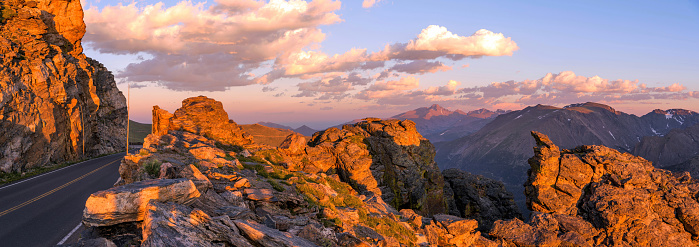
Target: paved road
(42, 210)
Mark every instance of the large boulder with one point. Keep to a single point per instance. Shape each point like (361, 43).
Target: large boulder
(202, 116)
(56, 104)
(129, 202)
(387, 158)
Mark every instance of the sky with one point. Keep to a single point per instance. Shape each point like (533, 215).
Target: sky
(323, 63)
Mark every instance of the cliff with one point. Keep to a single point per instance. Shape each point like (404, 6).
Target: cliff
(56, 104)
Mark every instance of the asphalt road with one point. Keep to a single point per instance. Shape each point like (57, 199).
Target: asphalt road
(40, 211)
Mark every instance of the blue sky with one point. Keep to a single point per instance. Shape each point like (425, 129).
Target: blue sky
(650, 41)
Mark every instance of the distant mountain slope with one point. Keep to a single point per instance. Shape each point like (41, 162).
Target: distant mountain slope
(691, 166)
(138, 131)
(266, 135)
(679, 145)
(439, 124)
(501, 148)
(304, 130)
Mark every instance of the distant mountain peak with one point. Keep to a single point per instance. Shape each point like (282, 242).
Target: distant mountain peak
(591, 106)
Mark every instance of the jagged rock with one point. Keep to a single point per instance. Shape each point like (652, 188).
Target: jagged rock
(480, 198)
(128, 203)
(56, 104)
(259, 194)
(202, 116)
(192, 173)
(170, 224)
(521, 234)
(599, 196)
(265, 236)
(387, 158)
(293, 144)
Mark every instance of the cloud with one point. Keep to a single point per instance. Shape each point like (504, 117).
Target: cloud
(405, 92)
(412, 57)
(566, 87)
(369, 3)
(420, 67)
(436, 41)
(240, 34)
(199, 46)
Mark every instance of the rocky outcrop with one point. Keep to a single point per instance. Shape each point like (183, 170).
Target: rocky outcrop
(387, 158)
(202, 116)
(597, 196)
(477, 197)
(56, 104)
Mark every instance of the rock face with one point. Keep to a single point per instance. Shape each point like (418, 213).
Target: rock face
(387, 158)
(56, 104)
(477, 197)
(202, 116)
(597, 196)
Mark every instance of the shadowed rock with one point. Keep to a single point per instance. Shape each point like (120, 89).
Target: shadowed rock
(171, 224)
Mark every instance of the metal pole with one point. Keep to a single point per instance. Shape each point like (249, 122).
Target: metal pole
(128, 121)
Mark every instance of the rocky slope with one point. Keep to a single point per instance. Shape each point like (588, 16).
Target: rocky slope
(373, 183)
(677, 146)
(56, 104)
(438, 124)
(500, 149)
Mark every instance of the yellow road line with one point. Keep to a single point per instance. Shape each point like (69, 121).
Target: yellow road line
(52, 191)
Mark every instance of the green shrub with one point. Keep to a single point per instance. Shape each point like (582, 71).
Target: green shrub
(143, 152)
(152, 167)
(275, 185)
(7, 13)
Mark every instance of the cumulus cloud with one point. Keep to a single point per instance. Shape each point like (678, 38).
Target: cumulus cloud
(412, 57)
(244, 33)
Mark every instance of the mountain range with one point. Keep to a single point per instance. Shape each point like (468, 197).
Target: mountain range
(438, 124)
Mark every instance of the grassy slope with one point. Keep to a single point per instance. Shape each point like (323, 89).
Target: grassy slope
(266, 135)
(138, 131)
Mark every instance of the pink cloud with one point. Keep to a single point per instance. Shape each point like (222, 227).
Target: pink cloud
(369, 3)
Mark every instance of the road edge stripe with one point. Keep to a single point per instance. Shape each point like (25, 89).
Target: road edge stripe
(70, 234)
